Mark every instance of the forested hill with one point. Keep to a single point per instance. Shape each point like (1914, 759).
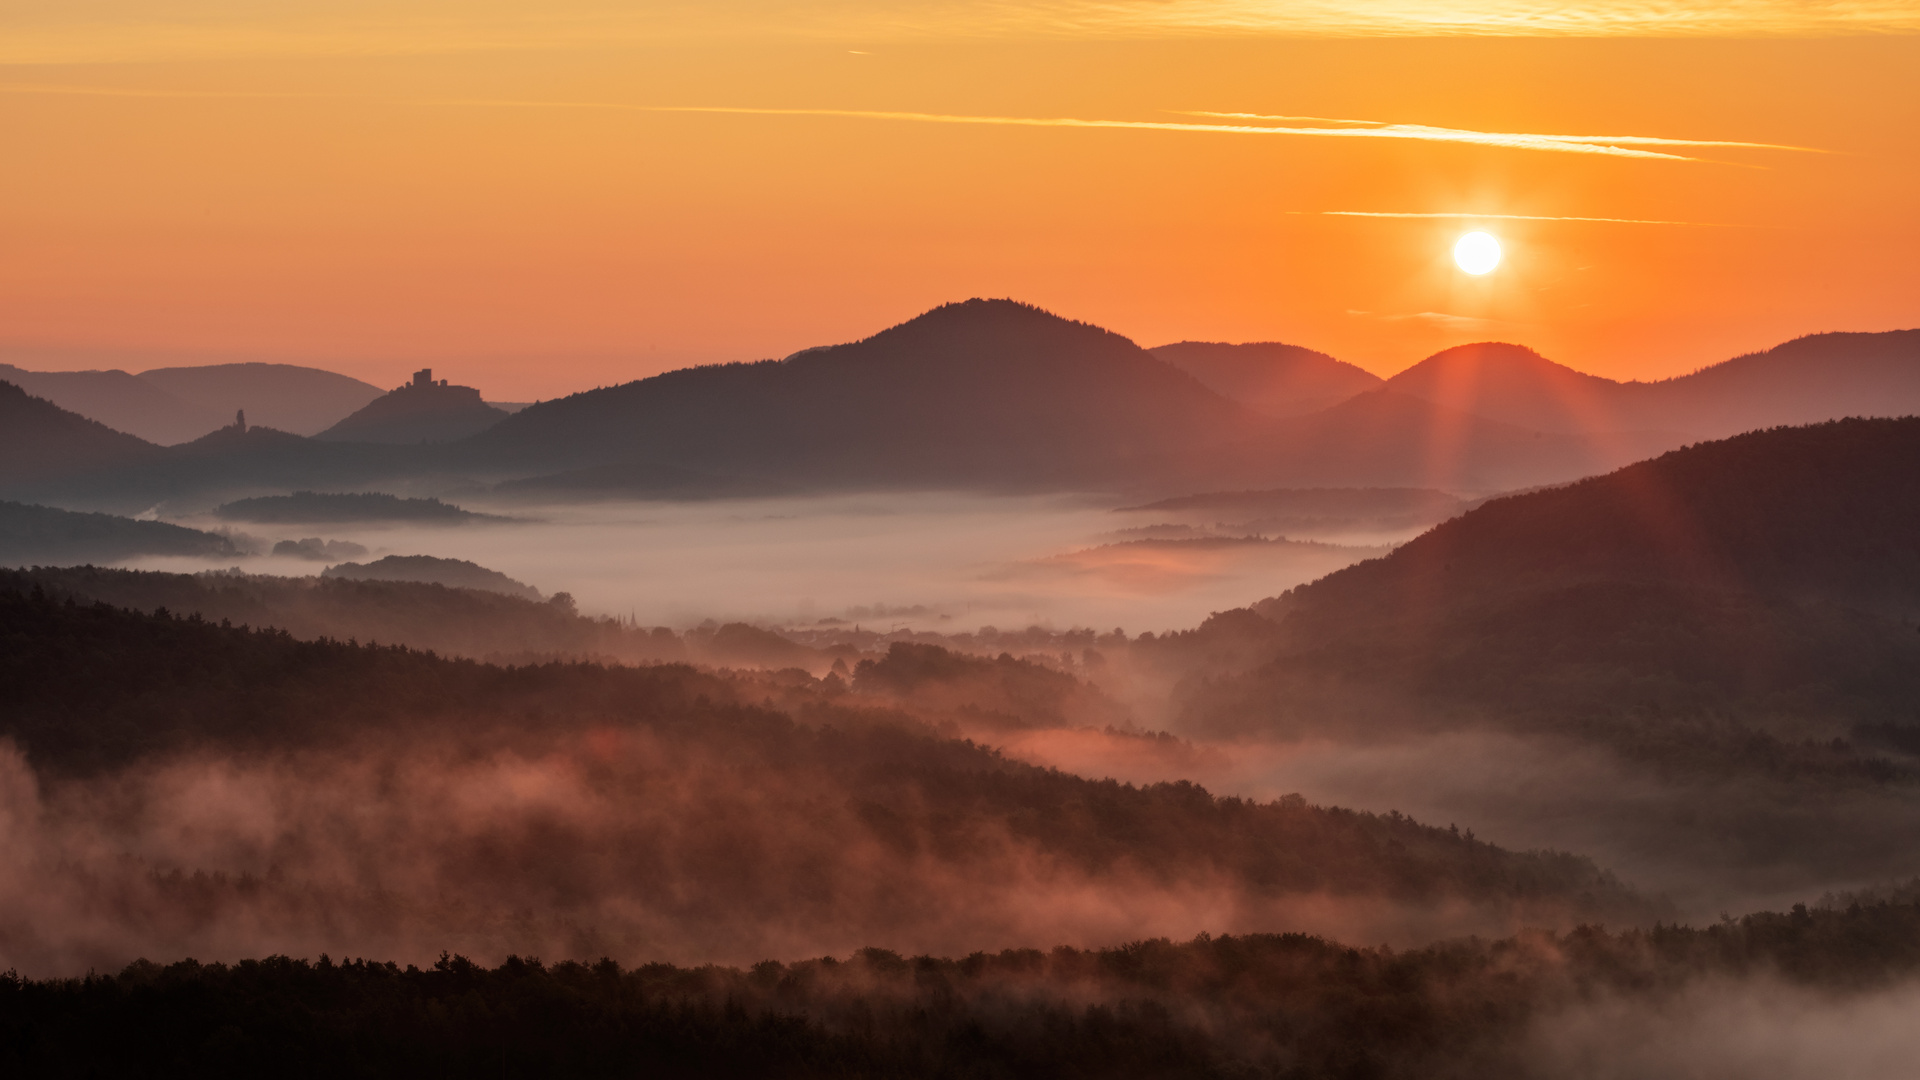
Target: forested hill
(1765, 586)
(1832, 510)
(985, 391)
(996, 394)
(721, 813)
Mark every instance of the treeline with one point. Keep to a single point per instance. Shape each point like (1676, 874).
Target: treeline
(1283, 1006)
(453, 621)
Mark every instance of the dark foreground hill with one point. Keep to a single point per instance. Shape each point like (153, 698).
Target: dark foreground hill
(32, 535)
(324, 796)
(1712, 602)
(1287, 1007)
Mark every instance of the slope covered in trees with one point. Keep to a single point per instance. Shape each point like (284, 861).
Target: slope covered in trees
(994, 394)
(400, 803)
(1765, 585)
(42, 534)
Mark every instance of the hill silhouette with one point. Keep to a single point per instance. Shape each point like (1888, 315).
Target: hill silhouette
(178, 404)
(303, 507)
(288, 397)
(432, 570)
(422, 411)
(996, 394)
(121, 401)
(1808, 380)
(40, 441)
(1269, 377)
(1719, 602)
(982, 392)
(1515, 385)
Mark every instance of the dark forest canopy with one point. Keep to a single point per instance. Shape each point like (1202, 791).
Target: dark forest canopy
(93, 689)
(433, 570)
(474, 623)
(1262, 1005)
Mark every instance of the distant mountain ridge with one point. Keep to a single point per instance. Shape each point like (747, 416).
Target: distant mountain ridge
(981, 392)
(1270, 377)
(994, 395)
(1000, 395)
(41, 441)
(179, 404)
(1807, 380)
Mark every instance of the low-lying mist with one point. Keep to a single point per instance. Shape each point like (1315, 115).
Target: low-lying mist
(1736, 844)
(947, 562)
(614, 843)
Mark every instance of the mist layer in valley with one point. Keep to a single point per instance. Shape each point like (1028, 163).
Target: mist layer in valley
(932, 561)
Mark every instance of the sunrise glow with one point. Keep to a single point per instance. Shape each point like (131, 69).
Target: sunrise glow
(1477, 253)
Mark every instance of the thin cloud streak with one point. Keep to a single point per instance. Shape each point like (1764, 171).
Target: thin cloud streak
(1467, 135)
(1565, 144)
(1519, 217)
(1414, 132)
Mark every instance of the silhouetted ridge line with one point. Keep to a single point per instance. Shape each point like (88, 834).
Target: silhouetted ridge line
(1734, 606)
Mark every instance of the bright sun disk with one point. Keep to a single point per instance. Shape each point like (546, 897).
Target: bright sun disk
(1477, 253)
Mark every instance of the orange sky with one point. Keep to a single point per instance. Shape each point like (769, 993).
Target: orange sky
(486, 188)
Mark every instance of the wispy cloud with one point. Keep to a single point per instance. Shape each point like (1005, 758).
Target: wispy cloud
(1563, 144)
(134, 31)
(1379, 129)
(1506, 18)
(1626, 146)
(1455, 215)
(1439, 319)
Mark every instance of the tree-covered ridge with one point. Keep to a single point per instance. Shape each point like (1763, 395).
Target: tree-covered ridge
(1730, 606)
(43, 534)
(319, 506)
(464, 622)
(775, 792)
(1262, 1005)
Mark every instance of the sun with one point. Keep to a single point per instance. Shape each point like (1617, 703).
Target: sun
(1477, 253)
